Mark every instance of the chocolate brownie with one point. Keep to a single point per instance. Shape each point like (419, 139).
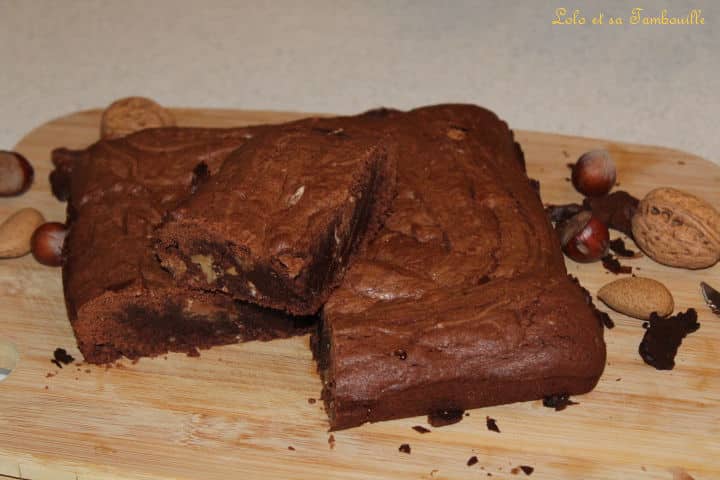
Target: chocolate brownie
(466, 278)
(119, 299)
(280, 222)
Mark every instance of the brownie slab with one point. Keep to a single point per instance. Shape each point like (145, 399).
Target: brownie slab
(119, 299)
(280, 222)
(462, 300)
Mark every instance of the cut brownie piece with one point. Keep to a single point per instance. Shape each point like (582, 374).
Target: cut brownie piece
(119, 299)
(462, 300)
(280, 222)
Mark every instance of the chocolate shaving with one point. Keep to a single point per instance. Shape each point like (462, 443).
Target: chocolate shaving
(404, 448)
(201, 172)
(61, 357)
(291, 448)
(331, 441)
(472, 461)
(615, 210)
(421, 429)
(663, 337)
(527, 470)
(558, 401)
(442, 418)
(492, 424)
(618, 246)
(561, 213)
(613, 265)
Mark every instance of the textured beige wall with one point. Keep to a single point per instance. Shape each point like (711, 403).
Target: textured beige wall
(648, 84)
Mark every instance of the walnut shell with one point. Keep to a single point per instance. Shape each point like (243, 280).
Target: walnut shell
(131, 114)
(677, 229)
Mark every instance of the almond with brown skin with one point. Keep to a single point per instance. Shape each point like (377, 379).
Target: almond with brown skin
(637, 297)
(16, 232)
(677, 229)
(131, 114)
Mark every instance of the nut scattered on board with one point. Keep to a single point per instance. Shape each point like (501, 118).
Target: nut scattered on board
(132, 114)
(584, 238)
(47, 243)
(677, 229)
(16, 174)
(594, 174)
(16, 232)
(637, 297)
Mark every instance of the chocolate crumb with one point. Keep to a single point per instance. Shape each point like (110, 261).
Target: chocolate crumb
(400, 353)
(681, 162)
(421, 429)
(467, 414)
(535, 185)
(567, 179)
(311, 401)
(87, 370)
(605, 319)
(331, 441)
(404, 448)
(472, 461)
(663, 337)
(618, 246)
(50, 375)
(618, 379)
(527, 470)
(566, 154)
(613, 265)
(291, 448)
(515, 470)
(570, 166)
(492, 424)
(46, 387)
(442, 418)
(61, 357)
(559, 401)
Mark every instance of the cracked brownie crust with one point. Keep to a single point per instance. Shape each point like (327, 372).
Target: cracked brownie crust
(280, 222)
(466, 280)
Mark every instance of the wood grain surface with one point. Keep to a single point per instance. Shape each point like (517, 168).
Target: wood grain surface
(236, 411)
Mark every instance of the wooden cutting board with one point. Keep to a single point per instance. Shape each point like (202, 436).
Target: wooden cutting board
(236, 411)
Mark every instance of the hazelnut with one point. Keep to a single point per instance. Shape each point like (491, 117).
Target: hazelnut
(594, 174)
(584, 238)
(16, 174)
(47, 243)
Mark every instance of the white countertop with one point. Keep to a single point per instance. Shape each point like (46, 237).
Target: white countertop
(653, 84)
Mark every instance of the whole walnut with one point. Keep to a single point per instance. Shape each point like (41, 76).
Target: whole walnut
(677, 229)
(131, 114)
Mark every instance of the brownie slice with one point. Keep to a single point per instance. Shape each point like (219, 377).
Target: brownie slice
(281, 221)
(462, 300)
(119, 299)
